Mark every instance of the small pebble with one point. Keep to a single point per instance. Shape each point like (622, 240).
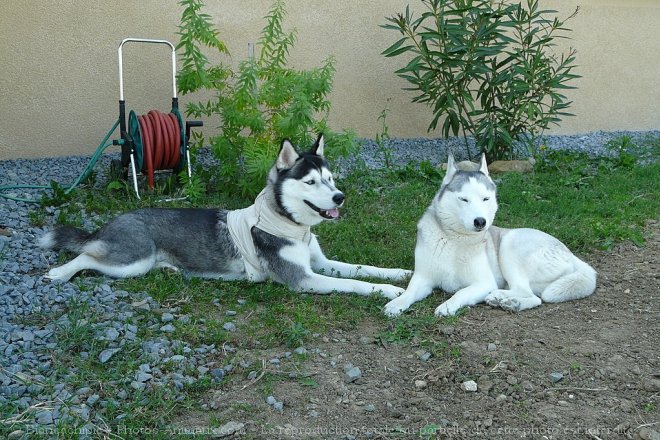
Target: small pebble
(555, 377)
(420, 384)
(352, 374)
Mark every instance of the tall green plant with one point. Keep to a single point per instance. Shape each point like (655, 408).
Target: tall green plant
(487, 67)
(261, 103)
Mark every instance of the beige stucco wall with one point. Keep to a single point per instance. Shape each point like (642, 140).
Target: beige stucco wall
(59, 79)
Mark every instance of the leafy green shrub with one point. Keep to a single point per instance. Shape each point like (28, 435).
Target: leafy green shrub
(487, 67)
(261, 103)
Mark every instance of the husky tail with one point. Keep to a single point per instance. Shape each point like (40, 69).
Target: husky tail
(69, 238)
(577, 284)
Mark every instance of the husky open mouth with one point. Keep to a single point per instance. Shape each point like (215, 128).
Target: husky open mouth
(325, 213)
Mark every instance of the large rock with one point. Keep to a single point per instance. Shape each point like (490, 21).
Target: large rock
(464, 165)
(507, 166)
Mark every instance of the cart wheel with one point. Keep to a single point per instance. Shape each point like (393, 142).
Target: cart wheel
(117, 170)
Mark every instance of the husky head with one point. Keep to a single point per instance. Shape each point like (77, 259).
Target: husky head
(466, 202)
(304, 188)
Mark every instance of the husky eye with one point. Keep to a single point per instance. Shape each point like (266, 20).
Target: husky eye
(486, 199)
(463, 199)
(311, 182)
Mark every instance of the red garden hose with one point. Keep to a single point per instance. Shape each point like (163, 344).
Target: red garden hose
(161, 143)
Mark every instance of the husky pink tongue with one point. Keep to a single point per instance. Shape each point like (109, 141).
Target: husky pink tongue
(334, 213)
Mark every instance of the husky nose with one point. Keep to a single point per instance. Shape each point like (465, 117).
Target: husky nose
(338, 198)
(479, 223)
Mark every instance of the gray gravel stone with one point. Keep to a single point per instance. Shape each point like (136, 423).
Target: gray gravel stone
(167, 328)
(141, 376)
(105, 355)
(139, 386)
(229, 326)
(45, 418)
(218, 374)
(111, 334)
(167, 317)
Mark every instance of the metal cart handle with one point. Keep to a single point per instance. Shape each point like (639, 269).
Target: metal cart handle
(144, 40)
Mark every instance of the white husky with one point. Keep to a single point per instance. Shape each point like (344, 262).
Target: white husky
(459, 250)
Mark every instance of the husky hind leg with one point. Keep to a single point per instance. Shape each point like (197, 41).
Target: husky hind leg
(513, 300)
(85, 261)
(578, 284)
(519, 296)
(538, 267)
(112, 253)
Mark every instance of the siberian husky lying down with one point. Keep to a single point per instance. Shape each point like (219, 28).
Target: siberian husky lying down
(269, 240)
(459, 250)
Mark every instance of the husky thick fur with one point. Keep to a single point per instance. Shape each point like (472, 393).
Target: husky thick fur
(271, 239)
(460, 251)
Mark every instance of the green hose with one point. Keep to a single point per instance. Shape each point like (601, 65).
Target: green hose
(86, 172)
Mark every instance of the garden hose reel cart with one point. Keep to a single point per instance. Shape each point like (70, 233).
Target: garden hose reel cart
(155, 141)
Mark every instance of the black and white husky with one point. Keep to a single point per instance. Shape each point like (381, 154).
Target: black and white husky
(270, 239)
(460, 251)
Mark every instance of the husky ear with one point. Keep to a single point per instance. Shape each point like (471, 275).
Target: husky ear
(483, 167)
(287, 156)
(317, 148)
(451, 169)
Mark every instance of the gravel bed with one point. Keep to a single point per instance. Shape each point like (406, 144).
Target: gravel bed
(37, 317)
(403, 151)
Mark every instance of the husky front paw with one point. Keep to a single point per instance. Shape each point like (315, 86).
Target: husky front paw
(447, 309)
(58, 274)
(388, 291)
(396, 306)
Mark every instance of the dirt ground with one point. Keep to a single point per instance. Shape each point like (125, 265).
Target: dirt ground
(606, 347)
